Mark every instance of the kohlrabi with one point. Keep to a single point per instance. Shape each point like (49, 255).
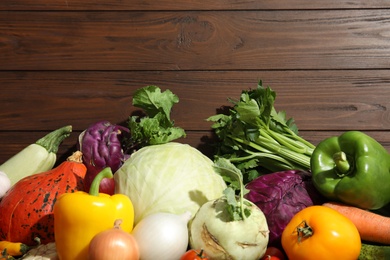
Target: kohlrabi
(230, 227)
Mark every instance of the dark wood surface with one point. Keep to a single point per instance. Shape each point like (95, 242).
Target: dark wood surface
(77, 62)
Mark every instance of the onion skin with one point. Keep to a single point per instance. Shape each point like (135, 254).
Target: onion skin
(162, 236)
(114, 244)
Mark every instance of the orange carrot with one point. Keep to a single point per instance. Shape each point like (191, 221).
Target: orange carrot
(372, 227)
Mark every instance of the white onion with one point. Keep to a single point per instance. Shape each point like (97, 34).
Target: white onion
(162, 236)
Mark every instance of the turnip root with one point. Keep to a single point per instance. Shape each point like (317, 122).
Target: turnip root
(230, 227)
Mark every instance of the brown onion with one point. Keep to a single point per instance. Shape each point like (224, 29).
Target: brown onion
(113, 244)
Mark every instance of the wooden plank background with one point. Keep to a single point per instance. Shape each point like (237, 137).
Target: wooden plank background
(78, 61)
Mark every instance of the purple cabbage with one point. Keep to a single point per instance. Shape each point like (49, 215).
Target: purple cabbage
(101, 145)
(280, 196)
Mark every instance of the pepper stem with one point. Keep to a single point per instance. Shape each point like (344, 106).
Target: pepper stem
(304, 231)
(105, 173)
(342, 164)
(117, 223)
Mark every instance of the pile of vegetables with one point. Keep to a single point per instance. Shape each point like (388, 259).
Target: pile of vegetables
(26, 210)
(107, 145)
(170, 177)
(133, 191)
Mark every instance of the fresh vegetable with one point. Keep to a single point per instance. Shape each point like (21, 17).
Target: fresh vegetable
(162, 235)
(106, 145)
(319, 232)
(194, 254)
(273, 253)
(171, 177)
(42, 252)
(5, 184)
(257, 139)
(230, 227)
(79, 216)
(13, 248)
(374, 252)
(372, 227)
(112, 244)
(26, 210)
(285, 192)
(101, 146)
(38, 157)
(156, 127)
(352, 168)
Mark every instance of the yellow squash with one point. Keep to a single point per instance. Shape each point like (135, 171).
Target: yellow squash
(13, 248)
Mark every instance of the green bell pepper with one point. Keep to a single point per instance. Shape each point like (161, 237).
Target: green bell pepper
(352, 168)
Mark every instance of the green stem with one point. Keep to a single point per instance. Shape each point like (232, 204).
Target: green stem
(52, 140)
(105, 173)
(253, 155)
(275, 166)
(290, 144)
(294, 142)
(304, 231)
(342, 163)
(300, 139)
(291, 156)
(242, 199)
(289, 139)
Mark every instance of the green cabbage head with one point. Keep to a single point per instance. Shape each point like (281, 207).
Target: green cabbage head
(171, 177)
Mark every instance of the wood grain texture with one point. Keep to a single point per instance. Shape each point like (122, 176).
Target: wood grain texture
(195, 40)
(188, 4)
(317, 100)
(79, 61)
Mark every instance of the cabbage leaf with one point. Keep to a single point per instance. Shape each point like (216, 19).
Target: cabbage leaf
(171, 177)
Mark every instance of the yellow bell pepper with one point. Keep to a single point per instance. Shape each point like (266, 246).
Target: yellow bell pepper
(79, 216)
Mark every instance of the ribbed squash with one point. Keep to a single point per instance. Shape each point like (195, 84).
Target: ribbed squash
(26, 210)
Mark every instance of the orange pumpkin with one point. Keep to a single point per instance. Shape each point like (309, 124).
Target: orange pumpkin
(26, 210)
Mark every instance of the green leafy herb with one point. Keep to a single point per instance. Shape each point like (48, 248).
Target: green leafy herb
(156, 127)
(257, 138)
(233, 176)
